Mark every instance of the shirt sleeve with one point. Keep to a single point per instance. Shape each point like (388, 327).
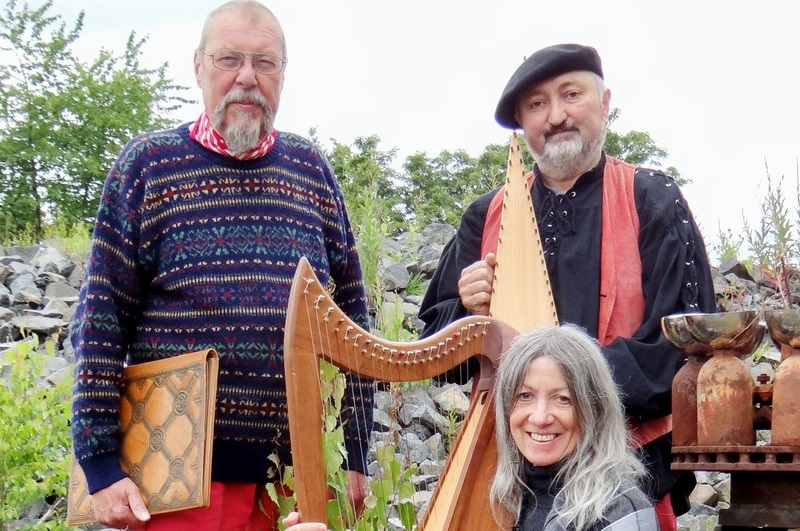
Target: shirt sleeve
(630, 510)
(103, 322)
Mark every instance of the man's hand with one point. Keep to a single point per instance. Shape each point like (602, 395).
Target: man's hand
(120, 505)
(475, 285)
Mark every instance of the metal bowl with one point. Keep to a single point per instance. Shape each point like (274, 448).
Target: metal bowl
(738, 331)
(677, 333)
(784, 326)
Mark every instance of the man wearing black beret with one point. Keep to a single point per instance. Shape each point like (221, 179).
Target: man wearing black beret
(621, 246)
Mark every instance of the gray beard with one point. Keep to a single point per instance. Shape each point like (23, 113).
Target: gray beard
(243, 133)
(566, 160)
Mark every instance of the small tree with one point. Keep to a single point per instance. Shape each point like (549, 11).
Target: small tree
(637, 148)
(63, 121)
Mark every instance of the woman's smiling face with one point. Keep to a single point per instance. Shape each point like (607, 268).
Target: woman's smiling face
(542, 421)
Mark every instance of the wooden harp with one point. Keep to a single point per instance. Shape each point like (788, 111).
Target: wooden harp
(317, 329)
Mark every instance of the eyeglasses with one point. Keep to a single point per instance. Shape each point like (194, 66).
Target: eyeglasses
(264, 63)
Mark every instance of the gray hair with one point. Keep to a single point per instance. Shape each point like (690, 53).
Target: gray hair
(601, 86)
(248, 9)
(602, 460)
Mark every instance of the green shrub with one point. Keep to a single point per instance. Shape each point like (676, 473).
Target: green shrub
(76, 237)
(34, 434)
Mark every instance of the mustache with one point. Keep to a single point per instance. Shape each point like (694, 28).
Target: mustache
(566, 127)
(239, 95)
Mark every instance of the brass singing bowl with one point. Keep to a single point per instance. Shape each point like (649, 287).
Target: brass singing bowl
(697, 333)
(784, 326)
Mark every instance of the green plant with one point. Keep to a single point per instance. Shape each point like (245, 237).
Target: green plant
(761, 350)
(285, 502)
(34, 434)
(729, 245)
(453, 425)
(416, 284)
(773, 242)
(390, 320)
(390, 486)
(76, 236)
(16, 233)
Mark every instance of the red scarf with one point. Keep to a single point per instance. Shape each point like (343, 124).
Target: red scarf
(206, 136)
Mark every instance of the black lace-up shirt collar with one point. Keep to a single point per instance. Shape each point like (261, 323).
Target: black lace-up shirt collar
(569, 226)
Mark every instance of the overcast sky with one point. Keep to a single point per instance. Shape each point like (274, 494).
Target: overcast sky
(716, 83)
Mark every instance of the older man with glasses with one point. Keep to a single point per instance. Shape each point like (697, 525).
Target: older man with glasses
(197, 238)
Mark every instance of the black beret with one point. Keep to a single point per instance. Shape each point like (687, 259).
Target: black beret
(545, 64)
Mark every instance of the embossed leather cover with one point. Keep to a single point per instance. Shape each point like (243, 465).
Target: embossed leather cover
(167, 420)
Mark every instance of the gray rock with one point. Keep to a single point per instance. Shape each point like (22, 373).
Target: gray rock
(5, 272)
(436, 447)
(23, 253)
(396, 277)
(383, 422)
(438, 233)
(60, 290)
(450, 398)
(38, 324)
(411, 446)
(704, 494)
(49, 260)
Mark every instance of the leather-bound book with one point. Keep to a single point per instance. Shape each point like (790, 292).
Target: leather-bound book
(167, 426)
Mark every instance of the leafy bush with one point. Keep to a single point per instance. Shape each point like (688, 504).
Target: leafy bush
(34, 434)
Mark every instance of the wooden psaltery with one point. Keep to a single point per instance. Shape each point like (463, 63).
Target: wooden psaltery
(521, 296)
(317, 329)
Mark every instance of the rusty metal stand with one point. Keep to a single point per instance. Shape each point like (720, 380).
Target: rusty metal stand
(716, 432)
(765, 483)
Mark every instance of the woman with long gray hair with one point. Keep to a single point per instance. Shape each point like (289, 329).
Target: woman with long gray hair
(564, 460)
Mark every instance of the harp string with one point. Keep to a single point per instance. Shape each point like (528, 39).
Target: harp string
(358, 350)
(326, 332)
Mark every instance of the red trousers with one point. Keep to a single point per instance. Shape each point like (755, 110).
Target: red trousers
(234, 507)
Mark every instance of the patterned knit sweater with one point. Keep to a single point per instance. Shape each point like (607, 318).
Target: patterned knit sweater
(193, 250)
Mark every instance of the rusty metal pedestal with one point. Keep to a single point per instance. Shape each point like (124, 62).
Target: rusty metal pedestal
(765, 482)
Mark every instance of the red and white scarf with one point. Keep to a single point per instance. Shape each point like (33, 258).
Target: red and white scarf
(206, 136)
